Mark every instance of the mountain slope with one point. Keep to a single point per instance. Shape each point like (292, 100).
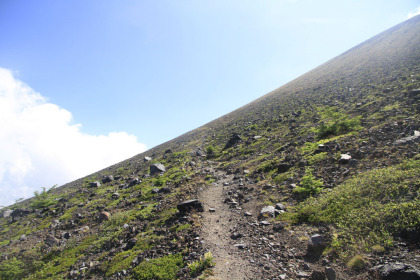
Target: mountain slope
(336, 150)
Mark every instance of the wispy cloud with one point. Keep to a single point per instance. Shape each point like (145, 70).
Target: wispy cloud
(40, 147)
(414, 13)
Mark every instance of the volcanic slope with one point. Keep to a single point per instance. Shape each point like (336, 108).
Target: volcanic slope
(317, 179)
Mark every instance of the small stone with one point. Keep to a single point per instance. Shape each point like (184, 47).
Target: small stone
(236, 235)
(247, 214)
(104, 216)
(212, 209)
(344, 159)
(240, 246)
(302, 274)
(278, 227)
(23, 237)
(280, 206)
(66, 235)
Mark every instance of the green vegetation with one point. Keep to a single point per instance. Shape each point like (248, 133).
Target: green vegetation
(164, 268)
(335, 123)
(356, 263)
(368, 209)
(197, 267)
(43, 199)
(309, 185)
(11, 269)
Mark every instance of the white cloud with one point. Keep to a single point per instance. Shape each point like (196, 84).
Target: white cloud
(40, 147)
(414, 13)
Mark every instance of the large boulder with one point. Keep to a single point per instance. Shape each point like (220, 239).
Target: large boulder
(51, 241)
(395, 271)
(95, 184)
(6, 213)
(316, 244)
(157, 168)
(233, 140)
(107, 179)
(19, 212)
(267, 212)
(189, 205)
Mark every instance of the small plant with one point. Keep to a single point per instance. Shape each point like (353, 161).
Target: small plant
(309, 185)
(356, 263)
(378, 249)
(335, 123)
(202, 264)
(210, 150)
(159, 182)
(43, 199)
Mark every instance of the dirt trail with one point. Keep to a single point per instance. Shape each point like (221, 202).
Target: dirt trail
(216, 234)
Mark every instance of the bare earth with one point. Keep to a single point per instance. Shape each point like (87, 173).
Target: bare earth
(216, 232)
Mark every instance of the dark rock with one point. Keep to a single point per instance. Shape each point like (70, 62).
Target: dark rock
(395, 271)
(415, 93)
(107, 179)
(317, 275)
(66, 235)
(115, 195)
(189, 205)
(104, 216)
(130, 244)
(51, 241)
(157, 168)
(353, 163)
(164, 190)
(330, 273)
(283, 167)
(278, 227)
(134, 182)
(233, 140)
(316, 244)
(236, 235)
(95, 184)
(240, 246)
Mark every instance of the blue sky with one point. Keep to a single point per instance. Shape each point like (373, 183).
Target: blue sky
(102, 75)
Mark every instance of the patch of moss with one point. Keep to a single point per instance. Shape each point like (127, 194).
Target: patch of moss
(164, 268)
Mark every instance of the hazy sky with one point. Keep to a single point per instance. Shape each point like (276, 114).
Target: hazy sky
(85, 84)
